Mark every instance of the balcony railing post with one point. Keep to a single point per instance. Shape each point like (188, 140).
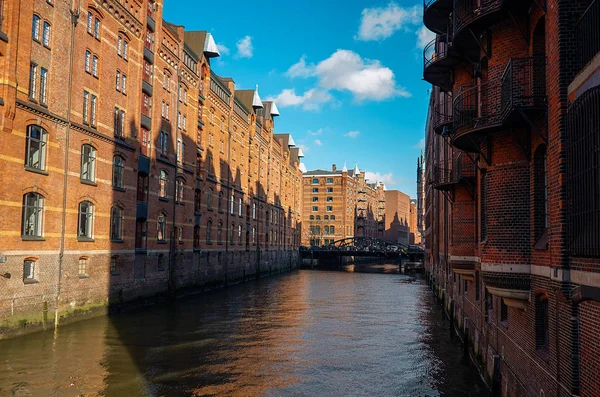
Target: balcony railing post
(588, 34)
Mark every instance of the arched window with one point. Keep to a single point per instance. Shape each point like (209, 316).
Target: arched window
(542, 334)
(197, 200)
(82, 267)
(253, 235)
(88, 163)
(326, 230)
(180, 234)
(88, 61)
(220, 203)
(332, 217)
(209, 194)
(232, 234)
(85, 228)
(46, 34)
(318, 217)
(118, 172)
(240, 234)
(179, 191)
(196, 236)
(331, 229)
(240, 206)
(116, 223)
(114, 265)
(163, 184)
(29, 270)
(161, 228)
(326, 217)
(33, 215)
(312, 217)
(35, 151)
(220, 233)
(35, 28)
(253, 210)
(208, 232)
(540, 198)
(232, 204)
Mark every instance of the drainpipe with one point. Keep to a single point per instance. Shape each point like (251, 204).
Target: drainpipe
(74, 18)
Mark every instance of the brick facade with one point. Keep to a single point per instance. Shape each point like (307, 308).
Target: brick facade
(511, 236)
(131, 169)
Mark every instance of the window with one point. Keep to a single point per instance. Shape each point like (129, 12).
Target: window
(489, 307)
(35, 150)
(122, 47)
(208, 232)
(88, 61)
(167, 111)
(167, 81)
(46, 34)
(332, 229)
(209, 194)
(503, 312)
(180, 234)
(97, 28)
(253, 210)
(116, 222)
(43, 86)
(141, 230)
(315, 190)
(315, 199)
(125, 49)
(329, 181)
(88, 163)
(119, 122)
(542, 336)
(253, 235)
(95, 66)
(326, 230)
(318, 217)
(329, 199)
(118, 81)
(82, 267)
(240, 206)
(184, 121)
(94, 103)
(89, 23)
(332, 217)
(163, 184)
(196, 237)
(29, 271)
(162, 109)
(33, 215)
(119, 45)
(315, 208)
(35, 28)
(86, 220)
(161, 228)
(329, 190)
(220, 202)
(240, 234)
(179, 143)
(232, 204)
(114, 268)
(329, 208)
(220, 233)
(312, 218)
(197, 200)
(179, 192)
(163, 142)
(33, 81)
(232, 234)
(118, 172)
(86, 100)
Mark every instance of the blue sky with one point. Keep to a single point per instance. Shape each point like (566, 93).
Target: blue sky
(346, 79)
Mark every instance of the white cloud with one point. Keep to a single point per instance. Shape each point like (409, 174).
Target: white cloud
(318, 142)
(424, 36)
(244, 47)
(303, 147)
(387, 179)
(352, 134)
(366, 79)
(301, 69)
(317, 132)
(420, 144)
(380, 23)
(223, 49)
(310, 100)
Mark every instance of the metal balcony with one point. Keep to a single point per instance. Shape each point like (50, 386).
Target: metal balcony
(459, 170)
(436, 14)
(524, 89)
(588, 34)
(439, 59)
(442, 116)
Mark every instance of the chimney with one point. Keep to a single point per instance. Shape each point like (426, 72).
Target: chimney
(333, 168)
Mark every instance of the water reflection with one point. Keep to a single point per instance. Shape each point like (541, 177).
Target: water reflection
(305, 334)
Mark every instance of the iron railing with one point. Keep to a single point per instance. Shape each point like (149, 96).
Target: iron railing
(443, 110)
(477, 106)
(583, 174)
(524, 84)
(435, 50)
(467, 11)
(454, 171)
(588, 34)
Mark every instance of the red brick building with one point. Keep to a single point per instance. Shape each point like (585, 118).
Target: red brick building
(512, 223)
(130, 169)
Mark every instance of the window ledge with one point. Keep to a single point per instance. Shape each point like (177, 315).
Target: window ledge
(197, 249)
(219, 243)
(163, 199)
(30, 281)
(83, 276)
(118, 240)
(141, 251)
(91, 183)
(33, 238)
(197, 213)
(161, 242)
(181, 242)
(118, 189)
(209, 242)
(85, 239)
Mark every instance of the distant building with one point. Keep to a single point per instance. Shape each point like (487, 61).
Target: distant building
(340, 203)
(397, 217)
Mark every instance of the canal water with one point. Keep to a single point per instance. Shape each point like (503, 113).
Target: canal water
(363, 331)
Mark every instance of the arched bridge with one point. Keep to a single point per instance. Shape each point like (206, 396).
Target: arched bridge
(364, 246)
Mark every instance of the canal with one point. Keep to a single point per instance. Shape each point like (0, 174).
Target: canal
(365, 331)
